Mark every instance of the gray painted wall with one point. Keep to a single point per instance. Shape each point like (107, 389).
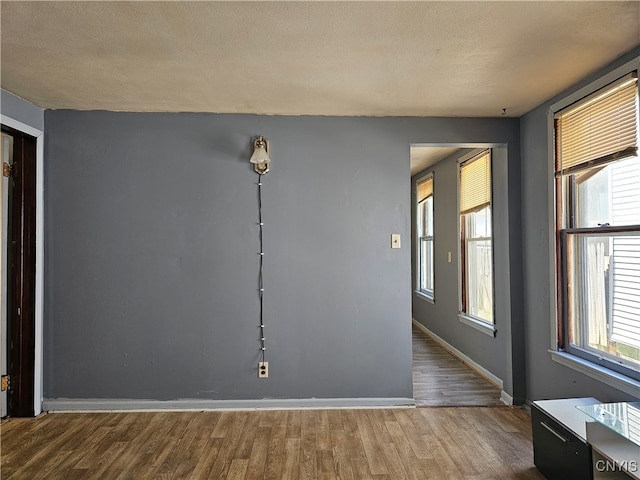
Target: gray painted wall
(545, 378)
(21, 110)
(151, 254)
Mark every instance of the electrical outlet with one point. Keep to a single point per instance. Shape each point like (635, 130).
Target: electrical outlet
(263, 369)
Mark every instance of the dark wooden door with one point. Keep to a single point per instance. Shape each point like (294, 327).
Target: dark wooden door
(21, 261)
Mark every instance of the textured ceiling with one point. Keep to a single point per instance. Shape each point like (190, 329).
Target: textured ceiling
(319, 58)
(424, 156)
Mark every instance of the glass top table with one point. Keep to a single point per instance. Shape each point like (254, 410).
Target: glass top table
(623, 418)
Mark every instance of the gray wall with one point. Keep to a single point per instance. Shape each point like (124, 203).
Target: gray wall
(21, 110)
(151, 254)
(546, 378)
(151, 263)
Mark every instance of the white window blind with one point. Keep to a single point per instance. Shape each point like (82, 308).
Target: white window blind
(601, 128)
(475, 183)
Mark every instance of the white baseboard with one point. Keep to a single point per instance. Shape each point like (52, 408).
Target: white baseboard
(464, 359)
(125, 405)
(506, 398)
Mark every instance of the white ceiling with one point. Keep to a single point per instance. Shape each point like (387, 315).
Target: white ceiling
(299, 58)
(423, 156)
(310, 58)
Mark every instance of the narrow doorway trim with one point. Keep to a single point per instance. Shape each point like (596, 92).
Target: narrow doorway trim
(39, 294)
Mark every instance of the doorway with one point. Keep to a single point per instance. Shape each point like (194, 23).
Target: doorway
(18, 282)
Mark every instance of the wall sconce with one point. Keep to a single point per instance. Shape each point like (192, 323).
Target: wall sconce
(260, 157)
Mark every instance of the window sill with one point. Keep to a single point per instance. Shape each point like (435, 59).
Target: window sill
(604, 375)
(424, 297)
(479, 325)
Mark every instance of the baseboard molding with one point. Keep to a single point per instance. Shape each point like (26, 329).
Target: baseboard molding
(506, 398)
(463, 358)
(126, 405)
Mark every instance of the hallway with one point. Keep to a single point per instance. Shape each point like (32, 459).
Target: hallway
(442, 380)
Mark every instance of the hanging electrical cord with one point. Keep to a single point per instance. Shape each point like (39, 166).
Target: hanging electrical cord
(261, 162)
(260, 274)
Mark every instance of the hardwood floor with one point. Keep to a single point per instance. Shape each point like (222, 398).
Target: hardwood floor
(463, 443)
(440, 379)
(467, 443)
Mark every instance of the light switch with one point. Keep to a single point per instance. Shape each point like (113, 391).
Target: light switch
(449, 257)
(395, 240)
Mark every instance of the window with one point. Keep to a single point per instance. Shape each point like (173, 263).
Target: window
(598, 227)
(425, 236)
(476, 238)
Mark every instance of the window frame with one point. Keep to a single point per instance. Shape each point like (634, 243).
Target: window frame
(600, 371)
(427, 294)
(479, 323)
(590, 355)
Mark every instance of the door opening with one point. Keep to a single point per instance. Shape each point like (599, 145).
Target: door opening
(18, 254)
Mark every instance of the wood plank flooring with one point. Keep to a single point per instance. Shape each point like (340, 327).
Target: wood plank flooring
(440, 379)
(379, 444)
(464, 443)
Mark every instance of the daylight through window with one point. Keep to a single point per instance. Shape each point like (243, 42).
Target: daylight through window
(598, 194)
(425, 236)
(476, 238)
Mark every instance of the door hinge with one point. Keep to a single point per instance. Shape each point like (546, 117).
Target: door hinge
(5, 383)
(6, 169)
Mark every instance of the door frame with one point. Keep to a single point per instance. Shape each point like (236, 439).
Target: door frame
(39, 286)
